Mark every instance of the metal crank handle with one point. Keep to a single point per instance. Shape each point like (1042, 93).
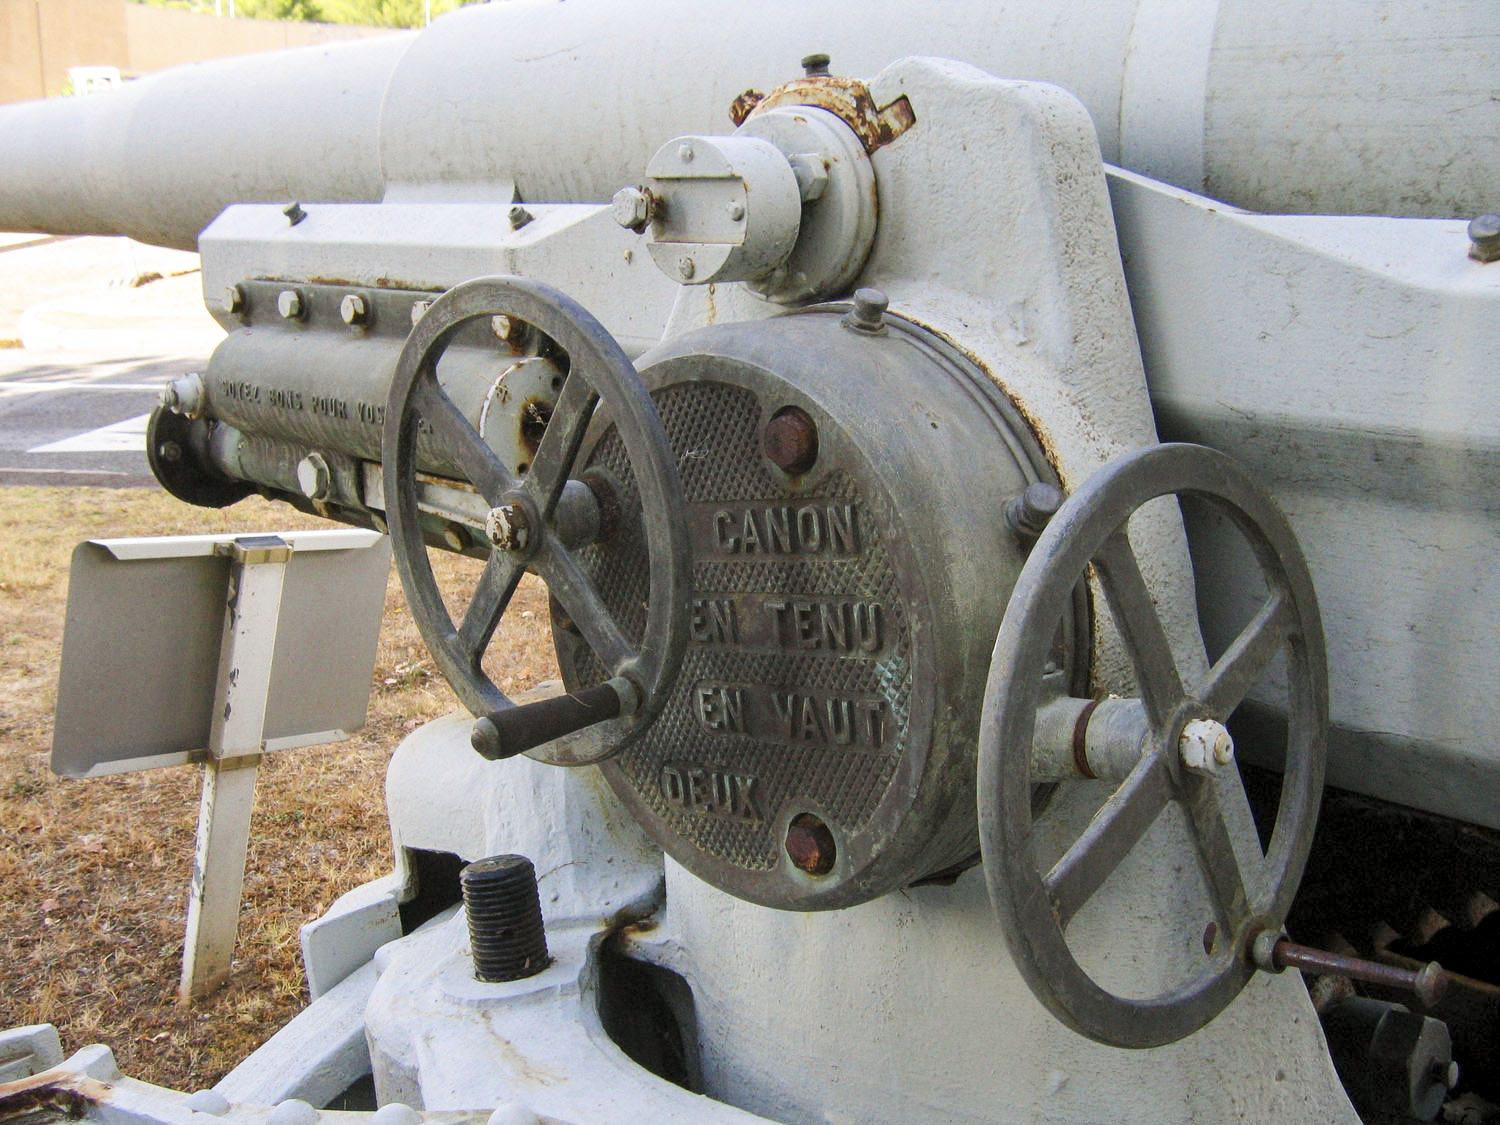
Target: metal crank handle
(515, 730)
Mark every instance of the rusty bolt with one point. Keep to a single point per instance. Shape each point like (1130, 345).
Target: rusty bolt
(815, 65)
(289, 304)
(1205, 745)
(809, 845)
(294, 213)
(1484, 238)
(508, 527)
(353, 309)
(791, 440)
(631, 207)
(519, 217)
(1029, 513)
(868, 313)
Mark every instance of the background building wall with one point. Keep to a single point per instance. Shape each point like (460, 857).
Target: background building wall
(41, 39)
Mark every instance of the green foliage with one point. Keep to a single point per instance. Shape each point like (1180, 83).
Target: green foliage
(366, 13)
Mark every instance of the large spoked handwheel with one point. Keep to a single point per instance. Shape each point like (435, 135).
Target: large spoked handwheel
(521, 525)
(1158, 746)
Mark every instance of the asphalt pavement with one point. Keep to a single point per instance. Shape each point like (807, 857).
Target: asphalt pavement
(90, 330)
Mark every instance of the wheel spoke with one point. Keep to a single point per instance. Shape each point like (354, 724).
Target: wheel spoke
(1120, 822)
(1140, 627)
(462, 440)
(1205, 800)
(558, 448)
(1235, 673)
(493, 593)
(571, 586)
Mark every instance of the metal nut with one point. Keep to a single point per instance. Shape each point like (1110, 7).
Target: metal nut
(508, 527)
(1484, 237)
(1205, 745)
(631, 208)
(289, 304)
(353, 310)
(519, 217)
(294, 213)
(313, 477)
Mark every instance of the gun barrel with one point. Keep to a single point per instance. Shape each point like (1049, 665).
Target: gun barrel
(1342, 108)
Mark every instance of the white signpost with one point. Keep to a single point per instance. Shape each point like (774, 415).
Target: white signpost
(216, 649)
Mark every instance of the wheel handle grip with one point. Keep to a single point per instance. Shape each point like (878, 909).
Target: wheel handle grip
(515, 730)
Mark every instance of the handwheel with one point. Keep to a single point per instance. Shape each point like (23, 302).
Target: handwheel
(521, 526)
(1157, 767)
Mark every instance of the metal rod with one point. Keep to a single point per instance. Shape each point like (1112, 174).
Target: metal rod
(1428, 982)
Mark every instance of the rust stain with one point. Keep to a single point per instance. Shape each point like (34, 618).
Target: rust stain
(533, 423)
(742, 106)
(846, 98)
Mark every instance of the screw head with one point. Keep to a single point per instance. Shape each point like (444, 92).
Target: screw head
(353, 310)
(686, 268)
(815, 65)
(508, 527)
(631, 208)
(1484, 237)
(868, 313)
(790, 440)
(519, 217)
(289, 304)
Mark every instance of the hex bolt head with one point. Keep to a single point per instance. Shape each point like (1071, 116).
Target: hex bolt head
(508, 527)
(313, 477)
(294, 213)
(686, 267)
(234, 300)
(519, 217)
(353, 310)
(868, 313)
(631, 208)
(1484, 237)
(289, 304)
(790, 441)
(1029, 513)
(815, 65)
(169, 452)
(185, 395)
(1205, 745)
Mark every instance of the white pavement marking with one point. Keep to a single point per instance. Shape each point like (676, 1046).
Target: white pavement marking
(9, 389)
(69, 472)
(128, 436)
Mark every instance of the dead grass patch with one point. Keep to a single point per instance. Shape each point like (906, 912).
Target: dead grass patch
(93, 874)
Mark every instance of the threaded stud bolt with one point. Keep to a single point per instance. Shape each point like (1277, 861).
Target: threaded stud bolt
(506, 933)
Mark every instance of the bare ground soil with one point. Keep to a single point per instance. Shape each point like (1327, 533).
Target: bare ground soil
(94, 873)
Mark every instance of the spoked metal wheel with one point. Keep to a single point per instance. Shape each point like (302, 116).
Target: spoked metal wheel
(522, 525)
(1158, 745)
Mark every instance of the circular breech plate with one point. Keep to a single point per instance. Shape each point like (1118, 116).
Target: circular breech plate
(806, 693)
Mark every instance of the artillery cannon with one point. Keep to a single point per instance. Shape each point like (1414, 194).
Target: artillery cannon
(832, 411)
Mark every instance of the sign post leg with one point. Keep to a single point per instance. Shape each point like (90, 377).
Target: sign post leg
(236, 740)
(218, 874)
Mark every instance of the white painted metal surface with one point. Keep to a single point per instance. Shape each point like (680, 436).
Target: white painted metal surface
(1342, 107)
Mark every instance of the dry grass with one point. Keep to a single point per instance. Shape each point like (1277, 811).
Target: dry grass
(94, 874)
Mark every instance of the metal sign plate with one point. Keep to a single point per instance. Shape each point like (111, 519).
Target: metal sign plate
(142, 637)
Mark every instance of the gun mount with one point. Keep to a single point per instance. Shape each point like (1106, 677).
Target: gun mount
(847, 442)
